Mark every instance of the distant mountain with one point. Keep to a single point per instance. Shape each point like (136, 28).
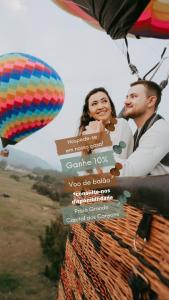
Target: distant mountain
(23, 160)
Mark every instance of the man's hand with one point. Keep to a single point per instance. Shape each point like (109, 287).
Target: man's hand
(94, 127)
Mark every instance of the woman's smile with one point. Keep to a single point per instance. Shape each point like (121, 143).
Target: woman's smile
(99, 107)
(102, 112)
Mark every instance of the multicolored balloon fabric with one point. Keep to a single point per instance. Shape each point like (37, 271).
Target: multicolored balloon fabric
(149, 18)
(31, 96)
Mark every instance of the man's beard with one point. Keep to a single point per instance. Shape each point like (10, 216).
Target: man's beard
(132, 115)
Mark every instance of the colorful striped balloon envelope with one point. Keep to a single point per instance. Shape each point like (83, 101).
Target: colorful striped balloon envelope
(31, 96)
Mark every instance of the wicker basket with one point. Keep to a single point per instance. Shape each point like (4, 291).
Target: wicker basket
(100, 257)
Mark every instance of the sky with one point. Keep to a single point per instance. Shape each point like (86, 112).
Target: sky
(84, 58)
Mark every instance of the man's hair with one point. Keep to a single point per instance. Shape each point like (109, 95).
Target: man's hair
(153, 89)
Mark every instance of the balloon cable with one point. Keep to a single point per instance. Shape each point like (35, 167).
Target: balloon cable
(157, 68)
(157, 65)
(164, 83)
(133, 68)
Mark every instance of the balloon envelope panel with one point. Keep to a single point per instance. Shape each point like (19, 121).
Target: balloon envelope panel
(31, 95)
(154, 21)
(118, 17)
(78, 11)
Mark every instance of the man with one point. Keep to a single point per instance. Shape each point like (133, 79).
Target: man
(151, 141)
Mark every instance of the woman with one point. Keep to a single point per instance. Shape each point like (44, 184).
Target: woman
(98, 113)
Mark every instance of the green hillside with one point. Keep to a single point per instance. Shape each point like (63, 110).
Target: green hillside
(21, 159)
(23, 217)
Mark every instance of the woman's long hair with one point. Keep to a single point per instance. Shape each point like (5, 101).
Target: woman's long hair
(85, 118)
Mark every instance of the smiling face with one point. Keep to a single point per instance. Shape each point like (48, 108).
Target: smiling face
(137, 102)
(99, 107)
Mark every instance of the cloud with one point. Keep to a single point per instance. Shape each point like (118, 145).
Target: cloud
(15, 5)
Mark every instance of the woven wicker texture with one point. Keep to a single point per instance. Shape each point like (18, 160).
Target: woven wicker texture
(100, 256)
(61, 294)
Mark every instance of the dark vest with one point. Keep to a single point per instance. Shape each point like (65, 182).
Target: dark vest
(154, 118)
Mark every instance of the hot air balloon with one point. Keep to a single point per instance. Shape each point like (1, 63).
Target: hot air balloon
(150, 194)
(31, 96)
(147, 18)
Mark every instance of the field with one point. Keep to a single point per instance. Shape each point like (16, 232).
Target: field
(23, 216)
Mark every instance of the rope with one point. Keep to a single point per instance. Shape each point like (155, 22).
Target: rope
(157, 65)
(133, 68)
(164, 83)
